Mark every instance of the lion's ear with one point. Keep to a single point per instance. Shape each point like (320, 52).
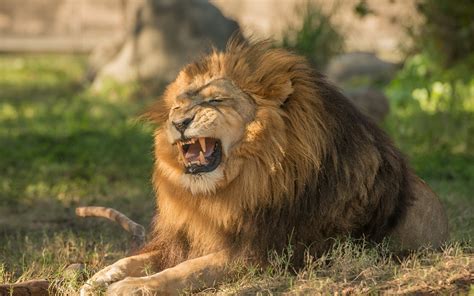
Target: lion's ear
(286, 89)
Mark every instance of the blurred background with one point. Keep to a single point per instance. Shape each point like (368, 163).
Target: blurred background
(76, 74)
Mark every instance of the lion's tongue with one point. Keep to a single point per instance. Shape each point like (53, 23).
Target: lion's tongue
(192, 154)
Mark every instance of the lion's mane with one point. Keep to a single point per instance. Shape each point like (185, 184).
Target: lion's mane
(314, 167)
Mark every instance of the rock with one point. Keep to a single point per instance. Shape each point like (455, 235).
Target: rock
(371, 102)
(359, 74)
(102, 55)
(165, 35)
(342, 68)
(39, 287)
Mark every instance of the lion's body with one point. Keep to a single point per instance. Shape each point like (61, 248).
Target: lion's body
(301, 166)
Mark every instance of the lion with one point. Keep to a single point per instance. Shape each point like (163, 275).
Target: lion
(255, 151)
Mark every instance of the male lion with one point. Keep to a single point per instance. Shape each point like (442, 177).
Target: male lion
(255, 151)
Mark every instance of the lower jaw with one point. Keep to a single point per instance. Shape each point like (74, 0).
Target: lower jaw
(199, 170)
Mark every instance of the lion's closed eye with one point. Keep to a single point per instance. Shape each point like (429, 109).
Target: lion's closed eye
(215, 100)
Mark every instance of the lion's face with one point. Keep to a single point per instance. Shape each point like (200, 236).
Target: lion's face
(206, 122)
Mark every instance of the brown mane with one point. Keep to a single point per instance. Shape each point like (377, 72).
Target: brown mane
(314, 167)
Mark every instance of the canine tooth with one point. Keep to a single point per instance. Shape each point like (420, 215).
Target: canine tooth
(202, 142)
(202, 159)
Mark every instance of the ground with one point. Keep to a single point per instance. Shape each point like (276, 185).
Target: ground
(62, 146)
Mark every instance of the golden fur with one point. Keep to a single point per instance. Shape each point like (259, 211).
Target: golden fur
(300, 166)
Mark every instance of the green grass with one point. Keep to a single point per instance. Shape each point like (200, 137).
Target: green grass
(62, 146)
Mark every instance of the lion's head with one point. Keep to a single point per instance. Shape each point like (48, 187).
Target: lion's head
(205, 127)
(236, 111)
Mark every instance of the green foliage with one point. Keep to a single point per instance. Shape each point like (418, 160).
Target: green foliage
(443, 99)
(315, 37)
(448, 32)
(424, 85)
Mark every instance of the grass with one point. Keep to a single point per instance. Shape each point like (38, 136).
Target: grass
(62, 146)
(354, 268)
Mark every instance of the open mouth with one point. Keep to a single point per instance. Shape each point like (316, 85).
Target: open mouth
(200, 155)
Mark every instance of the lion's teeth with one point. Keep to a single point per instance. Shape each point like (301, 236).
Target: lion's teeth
(202, 159)
(202, 142)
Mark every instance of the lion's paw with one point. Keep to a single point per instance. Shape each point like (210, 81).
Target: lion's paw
(101, 280)
(92, 288)
(128, 286)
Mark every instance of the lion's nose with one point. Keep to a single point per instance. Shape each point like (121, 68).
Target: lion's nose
(182, 124)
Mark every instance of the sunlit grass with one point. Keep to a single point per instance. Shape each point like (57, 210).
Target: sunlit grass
(62, 143)
(63, 146)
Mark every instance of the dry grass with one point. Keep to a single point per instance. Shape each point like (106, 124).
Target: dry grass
(355, 268)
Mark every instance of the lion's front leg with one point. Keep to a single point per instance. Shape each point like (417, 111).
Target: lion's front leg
(126, 267)
(194, 274)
